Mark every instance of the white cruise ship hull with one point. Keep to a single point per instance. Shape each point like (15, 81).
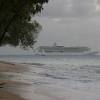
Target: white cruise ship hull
(67, 54)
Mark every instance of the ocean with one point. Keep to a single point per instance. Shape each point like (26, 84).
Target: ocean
(60, 73)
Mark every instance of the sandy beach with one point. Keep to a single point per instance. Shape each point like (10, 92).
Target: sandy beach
(34, 86)
(5, 95)
(9, 96)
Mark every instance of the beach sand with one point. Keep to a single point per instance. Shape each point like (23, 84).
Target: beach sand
(16, 90)
(4, 95)
(9, 67)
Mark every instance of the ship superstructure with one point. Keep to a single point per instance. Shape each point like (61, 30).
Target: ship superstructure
(61, 50)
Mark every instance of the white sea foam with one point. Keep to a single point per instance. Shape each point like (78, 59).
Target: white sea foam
(59, 78)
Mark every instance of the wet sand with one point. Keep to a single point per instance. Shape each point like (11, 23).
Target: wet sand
(4, 94)
(11, 67)
(17, 90)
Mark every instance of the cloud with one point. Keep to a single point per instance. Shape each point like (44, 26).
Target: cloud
(71, 32)
(71, 8)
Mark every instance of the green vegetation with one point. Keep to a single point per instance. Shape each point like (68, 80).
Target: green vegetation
(16, 27)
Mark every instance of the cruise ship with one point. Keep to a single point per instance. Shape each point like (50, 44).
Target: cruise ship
(61, 50)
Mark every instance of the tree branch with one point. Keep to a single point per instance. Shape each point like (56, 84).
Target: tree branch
(6, 28)
(10, 22)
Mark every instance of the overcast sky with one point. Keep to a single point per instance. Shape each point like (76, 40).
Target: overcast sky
(68, 23)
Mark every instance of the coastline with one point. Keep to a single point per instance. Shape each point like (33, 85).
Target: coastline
(13, 89)
(4, 94)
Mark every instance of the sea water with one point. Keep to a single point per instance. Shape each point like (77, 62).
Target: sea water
(81, 73)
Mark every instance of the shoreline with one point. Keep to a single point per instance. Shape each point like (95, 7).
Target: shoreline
(13, 89)
(4, 94)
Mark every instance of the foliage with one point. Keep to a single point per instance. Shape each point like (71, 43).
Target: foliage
(16, 27)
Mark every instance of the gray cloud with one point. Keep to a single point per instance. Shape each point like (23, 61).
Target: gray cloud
(70, 8)
(74, 32)
(98, 1)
